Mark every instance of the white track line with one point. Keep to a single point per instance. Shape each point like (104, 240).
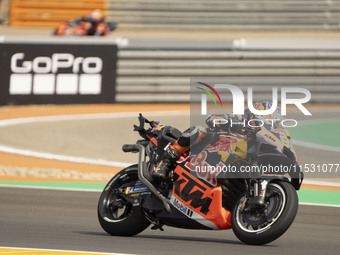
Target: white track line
(70, 251)
(323, 205)
(116, 115)
(44, 155)
(317, 121)
(59, 157)
(321, 183)
(18, 121)
(48, 188)
(315, 146)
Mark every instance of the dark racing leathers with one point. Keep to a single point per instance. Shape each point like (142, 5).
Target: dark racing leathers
(189, 137)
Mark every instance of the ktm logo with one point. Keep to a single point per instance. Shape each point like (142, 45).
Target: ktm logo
(187, 194)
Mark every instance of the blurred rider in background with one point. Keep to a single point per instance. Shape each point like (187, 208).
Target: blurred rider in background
(93, 24)
(97, 22)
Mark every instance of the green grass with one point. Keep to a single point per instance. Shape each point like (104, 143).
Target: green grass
(323, 133)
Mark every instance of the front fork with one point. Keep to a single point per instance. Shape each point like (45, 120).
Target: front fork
(258, 192)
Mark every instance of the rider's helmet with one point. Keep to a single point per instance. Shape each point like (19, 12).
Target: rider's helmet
(266, 105)
(97, 16)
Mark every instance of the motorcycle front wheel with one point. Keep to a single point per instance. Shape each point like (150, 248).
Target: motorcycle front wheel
(116, 215)
(262, 225)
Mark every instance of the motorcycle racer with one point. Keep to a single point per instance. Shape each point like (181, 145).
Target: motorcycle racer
(195, 134)
(93, 24)
(197, 192)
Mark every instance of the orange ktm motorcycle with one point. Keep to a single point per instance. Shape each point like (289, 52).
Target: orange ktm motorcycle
(83, 27)
(258, 205)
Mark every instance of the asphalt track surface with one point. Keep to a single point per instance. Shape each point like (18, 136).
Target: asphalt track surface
(67, 220)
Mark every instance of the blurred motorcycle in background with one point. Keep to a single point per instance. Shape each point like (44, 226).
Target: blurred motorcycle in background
(94, 24)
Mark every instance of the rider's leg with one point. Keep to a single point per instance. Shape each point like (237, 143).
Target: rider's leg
(173, 152)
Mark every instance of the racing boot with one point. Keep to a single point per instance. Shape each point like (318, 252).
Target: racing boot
(171, 154)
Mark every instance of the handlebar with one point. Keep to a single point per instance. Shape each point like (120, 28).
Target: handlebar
(169, 138)
(130, 148)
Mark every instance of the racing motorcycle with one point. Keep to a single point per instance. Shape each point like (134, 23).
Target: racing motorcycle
(84, 27)
(259, 207)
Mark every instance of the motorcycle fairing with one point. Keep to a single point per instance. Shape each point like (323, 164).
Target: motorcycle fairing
(226, 150)
(180, 220)
(204, 201)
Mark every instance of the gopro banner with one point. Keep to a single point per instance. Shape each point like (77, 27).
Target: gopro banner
(57, 73)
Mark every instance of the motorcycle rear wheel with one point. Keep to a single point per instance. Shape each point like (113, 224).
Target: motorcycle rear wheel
(116, 215)
(262, 226)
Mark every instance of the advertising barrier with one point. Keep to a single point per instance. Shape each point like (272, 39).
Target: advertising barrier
(57, 73)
